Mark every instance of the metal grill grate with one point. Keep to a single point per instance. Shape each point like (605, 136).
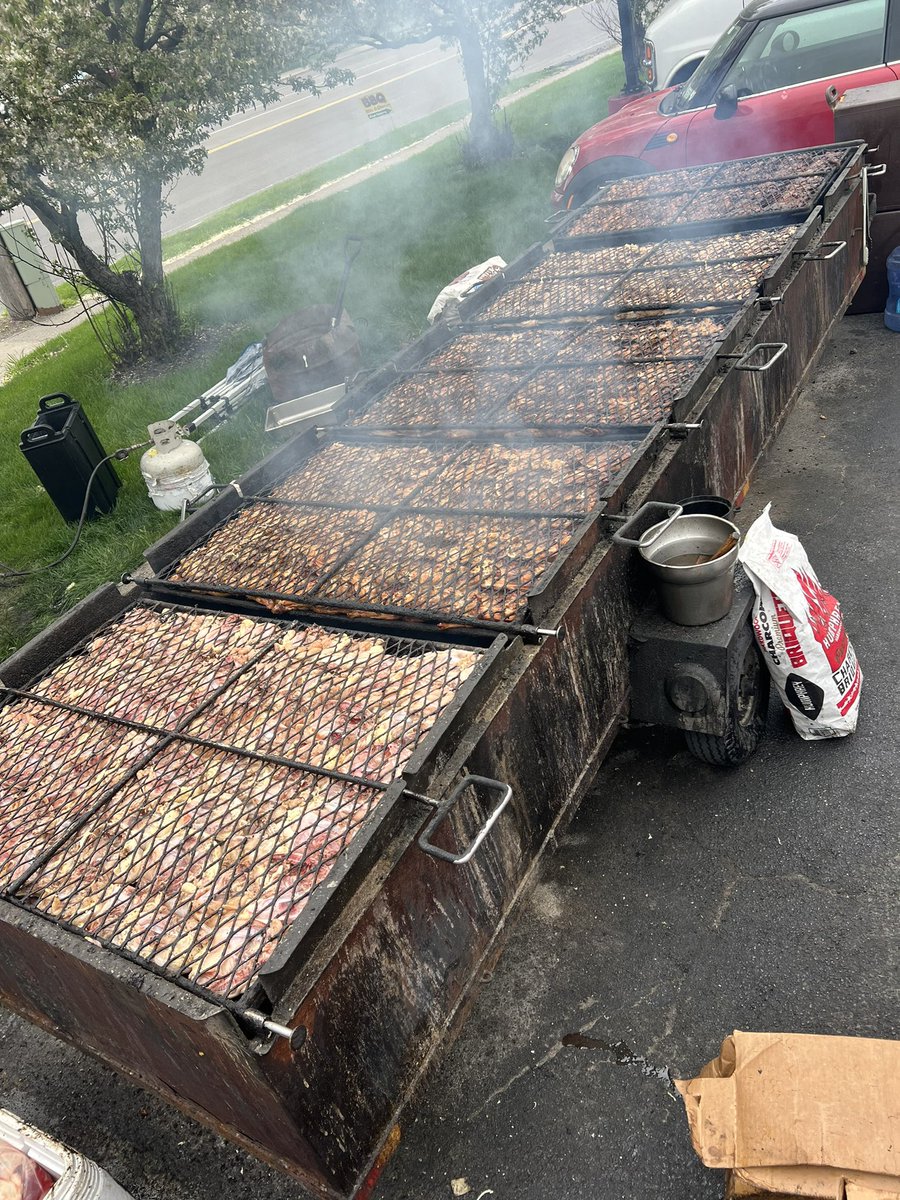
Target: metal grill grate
(475, 565)
(348, 703)
(753, 199)
(816, 161)
(615, 216)
(721, 283)
(156, 666)
(758, 243)
(660, 183)
(360, 474)
(440, 398)
(277, 547)
(639, 337)
(197, 847)
(199, 863)
(550, 297)
(500, 348)
(604, 260)
(621, 394)
(53, 766)
(560, 477)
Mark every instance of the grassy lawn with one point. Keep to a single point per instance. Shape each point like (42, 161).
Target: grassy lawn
(423, 221)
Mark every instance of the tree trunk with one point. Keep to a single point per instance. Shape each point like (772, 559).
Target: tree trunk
(486, 139)
(632, 45)
(157, 325)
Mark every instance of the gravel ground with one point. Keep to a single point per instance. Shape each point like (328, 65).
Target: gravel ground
(684, 902)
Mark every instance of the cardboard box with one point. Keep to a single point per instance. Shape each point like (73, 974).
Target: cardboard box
(790, 1115)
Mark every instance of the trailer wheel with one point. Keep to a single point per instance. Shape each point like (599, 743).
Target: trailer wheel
(746, 720)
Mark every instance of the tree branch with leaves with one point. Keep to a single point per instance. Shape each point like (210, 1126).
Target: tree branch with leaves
(104, 103)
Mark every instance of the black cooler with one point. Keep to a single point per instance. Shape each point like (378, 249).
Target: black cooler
(63, 451)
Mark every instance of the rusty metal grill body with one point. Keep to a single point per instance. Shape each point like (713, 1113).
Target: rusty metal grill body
(240, 760)
(381, 958)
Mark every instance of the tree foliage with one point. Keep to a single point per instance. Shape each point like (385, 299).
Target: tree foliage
(103, 103)
(492, 35)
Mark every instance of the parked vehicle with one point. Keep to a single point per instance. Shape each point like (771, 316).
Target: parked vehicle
(762, 88)
(677, 40)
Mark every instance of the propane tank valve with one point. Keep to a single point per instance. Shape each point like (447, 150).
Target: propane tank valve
(174, 469)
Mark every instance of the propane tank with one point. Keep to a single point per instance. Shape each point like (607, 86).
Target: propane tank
(174, 469)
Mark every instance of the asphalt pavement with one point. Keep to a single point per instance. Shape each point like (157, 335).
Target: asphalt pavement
(264, 146)
(684, 902)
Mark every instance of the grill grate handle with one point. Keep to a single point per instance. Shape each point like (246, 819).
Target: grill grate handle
(503, 790)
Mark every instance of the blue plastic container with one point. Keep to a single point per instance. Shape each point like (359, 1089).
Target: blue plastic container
(892, 308)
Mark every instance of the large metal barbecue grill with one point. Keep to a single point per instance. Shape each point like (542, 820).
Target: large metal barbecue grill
(238, 759)
(225, 834)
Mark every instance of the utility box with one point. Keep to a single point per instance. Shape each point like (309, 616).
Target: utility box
(26, 289)
(63, 451)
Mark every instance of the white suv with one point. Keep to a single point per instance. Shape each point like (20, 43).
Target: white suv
(677, 40)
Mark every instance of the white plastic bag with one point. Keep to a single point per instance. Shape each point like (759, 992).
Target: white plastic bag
(800, 631)
(470, 281)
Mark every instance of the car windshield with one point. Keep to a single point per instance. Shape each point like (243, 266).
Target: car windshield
(685, 96)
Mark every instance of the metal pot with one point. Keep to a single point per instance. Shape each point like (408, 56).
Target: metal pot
(713, 506)
(692, 593)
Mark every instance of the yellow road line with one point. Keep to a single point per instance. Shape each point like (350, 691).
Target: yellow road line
(331, 104)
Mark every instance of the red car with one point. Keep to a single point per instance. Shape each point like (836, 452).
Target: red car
(761, 88)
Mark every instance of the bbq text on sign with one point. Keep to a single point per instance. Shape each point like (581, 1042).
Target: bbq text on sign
(376, 104)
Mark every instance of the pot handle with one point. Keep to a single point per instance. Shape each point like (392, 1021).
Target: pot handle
(503, 790)
(674, 511)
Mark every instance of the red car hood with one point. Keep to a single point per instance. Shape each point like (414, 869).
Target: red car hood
(640, 117)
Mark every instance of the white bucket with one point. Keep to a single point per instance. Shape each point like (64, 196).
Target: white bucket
(77, 1177)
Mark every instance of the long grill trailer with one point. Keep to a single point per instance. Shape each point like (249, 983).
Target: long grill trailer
(267, 805)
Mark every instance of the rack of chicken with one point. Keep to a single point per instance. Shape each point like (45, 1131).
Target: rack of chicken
(205, 831)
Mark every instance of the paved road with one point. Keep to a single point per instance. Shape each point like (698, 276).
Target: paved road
(258, 149)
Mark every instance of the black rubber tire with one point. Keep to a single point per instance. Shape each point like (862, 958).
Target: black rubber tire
(747, 719)
(592, 177)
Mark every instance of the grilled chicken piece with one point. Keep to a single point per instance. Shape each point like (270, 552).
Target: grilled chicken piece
(541, 297)
(473, 566)
(642, 213)
(759, 243)
(53, 766)
(815, 161)
(362, 474)
(597, 396)
(277, 548)
(562, 477)
(635, 337)
(440, 398)
(497, 348)
(753, 199)
(698, 285)
(605, 260)
(155, 666)
(200, 862)
(660, 183)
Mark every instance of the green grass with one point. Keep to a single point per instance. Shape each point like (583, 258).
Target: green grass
(289, 190)
(423, 221)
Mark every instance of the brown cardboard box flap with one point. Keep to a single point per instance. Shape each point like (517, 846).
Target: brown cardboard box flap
(801, 1101)
(820, 1183)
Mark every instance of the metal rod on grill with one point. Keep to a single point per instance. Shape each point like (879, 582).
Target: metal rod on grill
(315, 604)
